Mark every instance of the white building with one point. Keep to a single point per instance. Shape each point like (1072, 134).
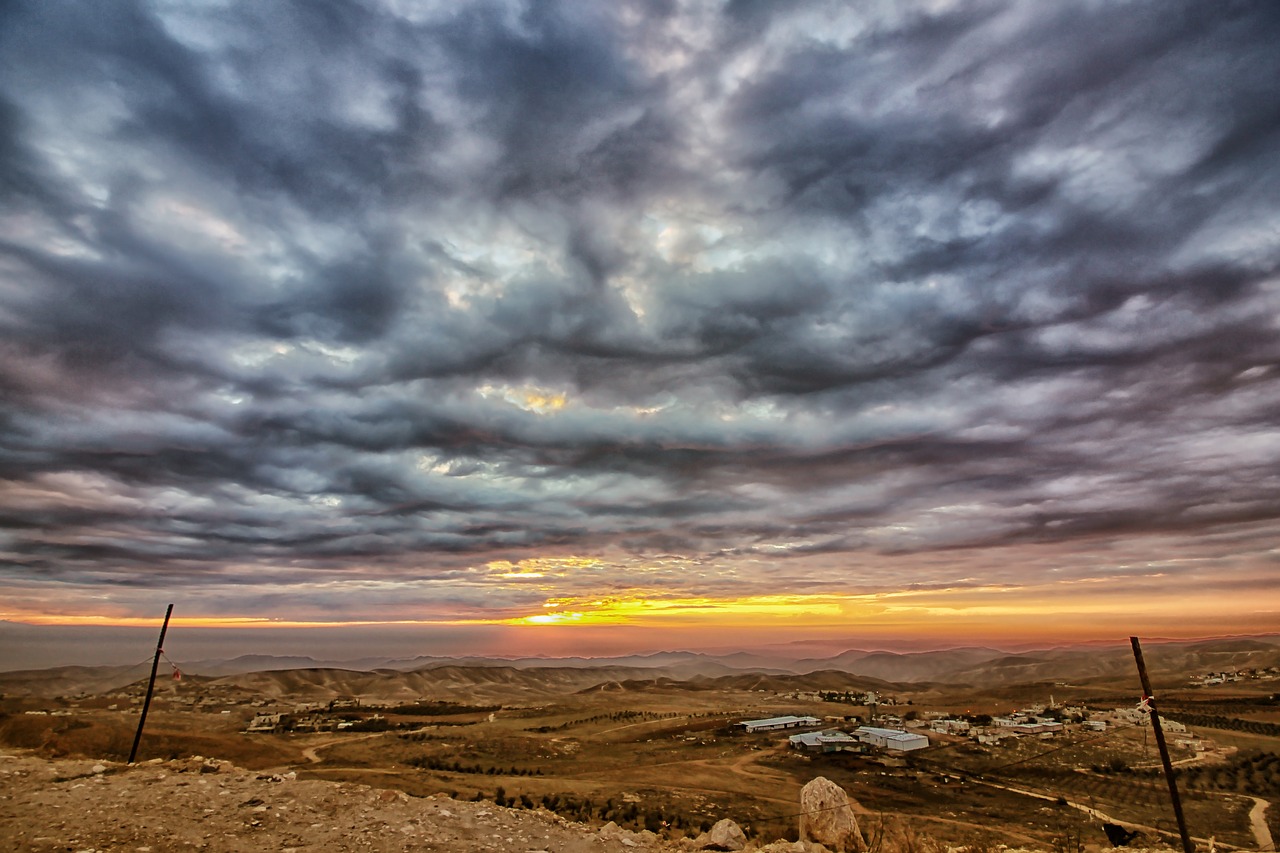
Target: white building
(264, 723)
(994, 736)
(775, 723)
(892, 739)
(950, 727)
(1036, 728)
(828, 741)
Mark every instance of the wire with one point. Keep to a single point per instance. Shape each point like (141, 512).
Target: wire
(177, 673)
(92, 686)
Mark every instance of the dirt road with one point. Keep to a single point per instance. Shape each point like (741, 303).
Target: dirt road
(1258, 821)
(312, 753)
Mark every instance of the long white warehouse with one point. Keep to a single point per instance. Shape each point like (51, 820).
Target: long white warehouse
(773, 723)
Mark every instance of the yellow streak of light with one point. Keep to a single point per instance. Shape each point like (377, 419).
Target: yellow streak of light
(542, 402)
(640, 610)
(530, 398)
(930, 610)
(552, 618)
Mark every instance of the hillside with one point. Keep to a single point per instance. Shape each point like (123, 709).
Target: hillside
(1165, 661)
(479, 684)
(783, 683)
(895, 667)
(69, 680)
(497, 684)
(676, 664)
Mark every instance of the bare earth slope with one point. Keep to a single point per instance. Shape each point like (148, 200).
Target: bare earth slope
(208, 805)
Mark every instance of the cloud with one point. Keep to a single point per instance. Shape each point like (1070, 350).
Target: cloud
(788, 296)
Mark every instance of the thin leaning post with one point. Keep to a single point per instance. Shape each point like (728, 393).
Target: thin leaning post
(1149, 701)
(151, 685)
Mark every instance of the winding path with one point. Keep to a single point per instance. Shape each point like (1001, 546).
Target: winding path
(1258, 820)
(312, 753)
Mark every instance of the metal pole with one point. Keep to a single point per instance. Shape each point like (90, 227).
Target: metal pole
(1150, 701)
(151, 685)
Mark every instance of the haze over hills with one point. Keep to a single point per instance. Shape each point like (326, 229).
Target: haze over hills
(1083, 665)
(958, 665)
(947, 665)
(477, 683)
(534, 678)
(902, 667)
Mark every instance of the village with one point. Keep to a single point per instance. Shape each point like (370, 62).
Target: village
(888, 724)
(1231, 676)
(891, 734)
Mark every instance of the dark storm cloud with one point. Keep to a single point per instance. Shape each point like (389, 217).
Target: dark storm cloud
(383, 292)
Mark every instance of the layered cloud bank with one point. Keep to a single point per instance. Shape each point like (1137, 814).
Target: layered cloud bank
(671, 313)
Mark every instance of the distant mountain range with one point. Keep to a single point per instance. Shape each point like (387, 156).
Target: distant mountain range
(949, 666)
(538, 678)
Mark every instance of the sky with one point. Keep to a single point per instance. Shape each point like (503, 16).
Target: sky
(574, 327)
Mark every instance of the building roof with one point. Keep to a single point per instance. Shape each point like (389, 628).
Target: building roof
(890, 734)
(820, 738)
(876, 730)
(782, 721)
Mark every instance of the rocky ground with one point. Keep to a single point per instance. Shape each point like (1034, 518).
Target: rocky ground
(199, 804)
(159, 806)
(83, 806)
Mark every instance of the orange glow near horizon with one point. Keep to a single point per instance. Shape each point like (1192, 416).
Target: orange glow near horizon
(68, 620)
(1064, 612)
(993, 612)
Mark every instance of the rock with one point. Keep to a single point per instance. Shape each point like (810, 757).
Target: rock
(793, 847)
(611, 831)
(725, 835)
(827, 817)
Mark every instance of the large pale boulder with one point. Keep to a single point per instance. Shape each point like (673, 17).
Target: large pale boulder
(827, 817)
(725, 835)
